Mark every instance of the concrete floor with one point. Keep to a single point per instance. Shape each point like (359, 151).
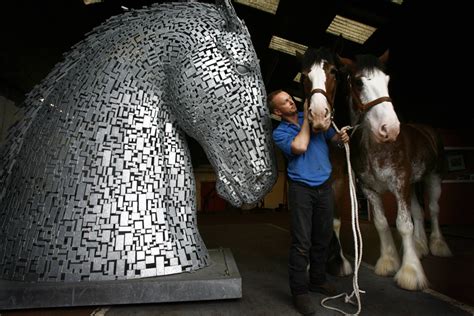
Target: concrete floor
(259, 241)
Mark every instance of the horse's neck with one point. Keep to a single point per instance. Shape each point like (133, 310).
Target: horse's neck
(362, 145)
(353, 115)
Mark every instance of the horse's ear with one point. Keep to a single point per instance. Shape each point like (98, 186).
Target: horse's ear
(345, 61)
(384, 57)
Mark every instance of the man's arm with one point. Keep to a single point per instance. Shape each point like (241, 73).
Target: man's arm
(299, 145)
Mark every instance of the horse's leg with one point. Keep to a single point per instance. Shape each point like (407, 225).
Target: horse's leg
(421, 242)
(438, 245)
(411, 275)
(337, 263)
(389, 261)
(344, 267)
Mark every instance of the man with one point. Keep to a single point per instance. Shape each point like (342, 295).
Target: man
(310, 197)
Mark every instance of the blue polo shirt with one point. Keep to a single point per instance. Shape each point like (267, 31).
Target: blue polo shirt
(312, 167)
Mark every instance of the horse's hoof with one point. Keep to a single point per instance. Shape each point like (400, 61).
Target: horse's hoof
(412, 278)
(440, 248)
(387, 266)
(421, 248)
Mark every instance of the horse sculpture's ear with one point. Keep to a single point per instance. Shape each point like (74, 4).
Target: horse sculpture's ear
(384, 57)
(233, 23)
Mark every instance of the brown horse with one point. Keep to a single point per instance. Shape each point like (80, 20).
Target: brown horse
(386, 156)
(319, 66)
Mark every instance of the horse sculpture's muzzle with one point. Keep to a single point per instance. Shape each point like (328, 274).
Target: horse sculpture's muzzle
(251, 190)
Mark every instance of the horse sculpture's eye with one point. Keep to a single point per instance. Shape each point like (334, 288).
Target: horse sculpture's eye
(243, 69)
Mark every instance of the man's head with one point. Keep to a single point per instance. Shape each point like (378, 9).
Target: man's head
(282, 104)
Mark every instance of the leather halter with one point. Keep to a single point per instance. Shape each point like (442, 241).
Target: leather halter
(361, 107)
(329, 99)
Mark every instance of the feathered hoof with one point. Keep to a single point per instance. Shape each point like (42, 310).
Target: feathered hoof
(421, 248)
(440, 248)
(346, 268)
(411, 278)
(339, 267)
(387, 266)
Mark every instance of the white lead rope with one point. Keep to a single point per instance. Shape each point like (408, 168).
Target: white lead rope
(357, 241)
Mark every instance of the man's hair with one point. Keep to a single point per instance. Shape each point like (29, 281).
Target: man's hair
(270, 96)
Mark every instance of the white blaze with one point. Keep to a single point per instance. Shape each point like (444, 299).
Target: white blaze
(320, 116)
(382, 118)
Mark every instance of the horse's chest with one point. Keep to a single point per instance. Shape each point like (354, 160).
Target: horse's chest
(378, 178)
(378, 172)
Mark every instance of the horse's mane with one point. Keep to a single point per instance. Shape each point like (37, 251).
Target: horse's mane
(369, 63)
(316, 55)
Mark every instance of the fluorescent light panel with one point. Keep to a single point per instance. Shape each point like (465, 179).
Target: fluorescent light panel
(297, 99)
(269, 6)
(286, 46)
(297, 78)
(350, 29)
(92, 1)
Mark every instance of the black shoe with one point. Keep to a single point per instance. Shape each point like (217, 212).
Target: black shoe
(326, 288)
(303, 304)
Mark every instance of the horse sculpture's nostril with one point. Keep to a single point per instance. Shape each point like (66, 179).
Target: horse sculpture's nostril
(261, 180)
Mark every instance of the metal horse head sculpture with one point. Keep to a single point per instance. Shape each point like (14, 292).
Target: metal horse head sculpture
(96, 182)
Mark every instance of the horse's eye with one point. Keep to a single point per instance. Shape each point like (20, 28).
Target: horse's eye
(243, 69)
(358, 82)
(333, 71)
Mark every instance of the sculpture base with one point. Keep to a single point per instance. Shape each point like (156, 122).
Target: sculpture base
(220, 280)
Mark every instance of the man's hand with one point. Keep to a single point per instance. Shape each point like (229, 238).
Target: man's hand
(343, 136)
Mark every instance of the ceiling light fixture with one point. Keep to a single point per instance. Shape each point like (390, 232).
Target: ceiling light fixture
(286, 46)
(269, 6)
(350, 29)
(297, 78)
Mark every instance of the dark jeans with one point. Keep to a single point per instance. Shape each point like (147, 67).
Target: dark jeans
(312, 211)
